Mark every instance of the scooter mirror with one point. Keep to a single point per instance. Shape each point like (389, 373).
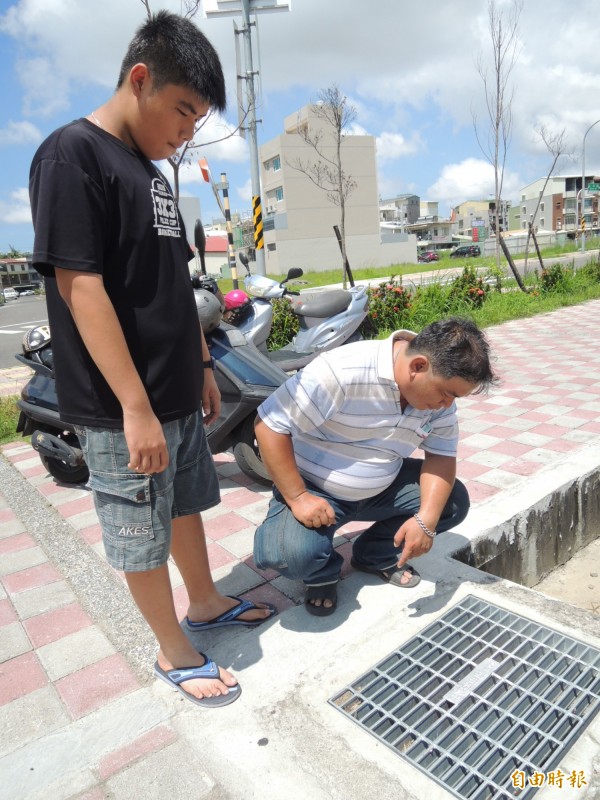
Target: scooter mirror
(244, 259)
(200, 242)
(294, 272)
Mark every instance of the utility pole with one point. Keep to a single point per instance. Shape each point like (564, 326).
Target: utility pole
(583, 186)
(245, 8)
(248, 76)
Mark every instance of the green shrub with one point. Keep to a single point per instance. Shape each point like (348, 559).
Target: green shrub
(9, 416)
(285, 324)
(388, 305)
(556, 279)
(429, 303)
(469, 288)
(590, 272)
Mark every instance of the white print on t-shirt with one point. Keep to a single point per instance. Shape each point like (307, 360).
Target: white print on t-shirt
(166, 218)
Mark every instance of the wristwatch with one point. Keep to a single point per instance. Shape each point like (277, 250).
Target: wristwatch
(210, 364)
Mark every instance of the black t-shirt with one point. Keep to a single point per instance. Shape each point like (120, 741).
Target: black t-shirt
(100, 207)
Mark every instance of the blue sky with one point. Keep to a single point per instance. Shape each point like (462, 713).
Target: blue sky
(410, 70)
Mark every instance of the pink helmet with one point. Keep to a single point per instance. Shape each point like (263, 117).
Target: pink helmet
(235, 298)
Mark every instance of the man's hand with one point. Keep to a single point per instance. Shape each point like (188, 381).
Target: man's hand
(415, 541)
(311, 510)
(211, 398)
(145, 439)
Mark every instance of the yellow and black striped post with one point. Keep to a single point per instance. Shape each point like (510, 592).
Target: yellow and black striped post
(259, 241)
(232, 266)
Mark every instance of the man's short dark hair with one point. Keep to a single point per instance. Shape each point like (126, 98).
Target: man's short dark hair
(456, 348)
(177, 52)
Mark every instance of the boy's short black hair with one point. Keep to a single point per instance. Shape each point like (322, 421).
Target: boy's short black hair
(177, 52)
(456, 348)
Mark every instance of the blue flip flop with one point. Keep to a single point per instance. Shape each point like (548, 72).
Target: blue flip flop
(231, 617)
(207, 671)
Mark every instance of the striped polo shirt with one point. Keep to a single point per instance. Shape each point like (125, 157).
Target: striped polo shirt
(348, 430)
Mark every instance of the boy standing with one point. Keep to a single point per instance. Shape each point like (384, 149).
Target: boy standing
(133, 371)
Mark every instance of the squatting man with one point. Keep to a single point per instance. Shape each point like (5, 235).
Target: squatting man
(337, 440)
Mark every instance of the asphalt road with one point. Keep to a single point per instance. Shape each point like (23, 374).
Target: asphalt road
(16, 318)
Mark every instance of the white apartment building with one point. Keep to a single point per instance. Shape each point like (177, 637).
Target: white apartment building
(560, 200)
(298, 218)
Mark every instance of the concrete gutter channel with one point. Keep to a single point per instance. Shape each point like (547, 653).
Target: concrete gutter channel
(283, 739)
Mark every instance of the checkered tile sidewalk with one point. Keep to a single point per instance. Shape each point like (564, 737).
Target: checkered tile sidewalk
(52, 654)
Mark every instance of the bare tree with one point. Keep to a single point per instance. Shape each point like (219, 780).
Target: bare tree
(189, 8)
(503, 29)
(334, 115)
(557, 146)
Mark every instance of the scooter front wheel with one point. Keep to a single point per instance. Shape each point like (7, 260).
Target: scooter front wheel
(63, 472)
(247, 454)
(60, 469)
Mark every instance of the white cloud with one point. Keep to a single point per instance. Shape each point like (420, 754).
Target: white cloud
(19, 133)
(471, 179)
(391, 146)
(18, 210)
(244, 192)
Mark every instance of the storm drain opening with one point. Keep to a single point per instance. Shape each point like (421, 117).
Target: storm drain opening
(482, 700)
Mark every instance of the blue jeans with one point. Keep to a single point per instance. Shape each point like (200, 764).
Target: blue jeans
(284, 544)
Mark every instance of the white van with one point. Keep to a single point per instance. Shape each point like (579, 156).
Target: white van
(10, 294)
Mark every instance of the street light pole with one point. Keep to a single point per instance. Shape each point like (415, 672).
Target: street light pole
(583, 184)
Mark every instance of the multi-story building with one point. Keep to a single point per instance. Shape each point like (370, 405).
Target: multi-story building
(431, 230)
(477, 219)
(397, 212)
(559, 204)
(18, 273)
(298, 217)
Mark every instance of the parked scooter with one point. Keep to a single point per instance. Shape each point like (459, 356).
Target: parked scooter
(327, 318)
(244, 376)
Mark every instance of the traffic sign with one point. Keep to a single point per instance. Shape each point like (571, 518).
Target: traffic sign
(593, 187)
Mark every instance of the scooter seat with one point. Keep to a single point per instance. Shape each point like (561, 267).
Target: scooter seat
(321, 305)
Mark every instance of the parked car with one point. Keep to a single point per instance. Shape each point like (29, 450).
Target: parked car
(427, 256)
(26, 292)
(10, 294)
(466, 251)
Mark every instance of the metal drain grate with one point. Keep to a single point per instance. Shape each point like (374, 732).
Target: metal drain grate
(479, 696)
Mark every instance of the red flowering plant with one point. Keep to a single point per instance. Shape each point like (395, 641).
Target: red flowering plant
(469, 287)
(388, 305)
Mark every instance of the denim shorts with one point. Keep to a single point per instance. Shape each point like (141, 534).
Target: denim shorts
(135, 511)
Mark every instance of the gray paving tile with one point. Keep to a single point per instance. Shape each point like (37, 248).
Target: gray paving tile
(239, 543)
(255, 512)
(13, 641)
(10, 528)
(542, 456)
(36, 601)
(500, 479)
(66, 496)
(489, 458)
(567, 421)
(518, 423)
(23, 559)
(174, 574)
(236, 578)
(75, 651)
(161, 775)
(30, 717)
(531, 439)
(83, 520)
(63, 758)
(480, 441)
